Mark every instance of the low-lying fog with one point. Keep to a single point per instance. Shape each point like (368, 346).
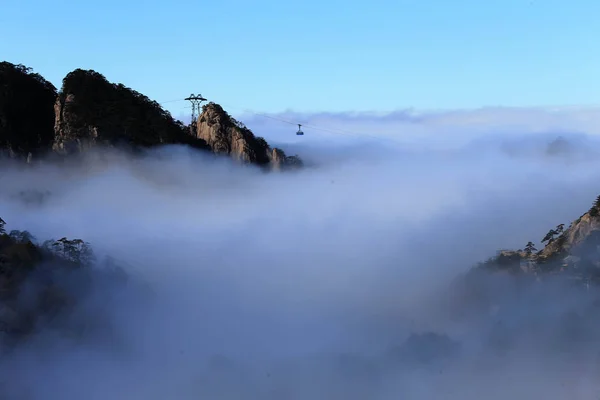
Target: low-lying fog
(305, 285)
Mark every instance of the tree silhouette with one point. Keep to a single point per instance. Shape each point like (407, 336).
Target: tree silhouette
(530, 249)
(595, 208)
(549, 236)
(75, 251)
(560, 229)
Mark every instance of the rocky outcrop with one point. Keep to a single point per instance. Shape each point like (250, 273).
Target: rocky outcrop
(578, 246)
(26, 114)
(573, 237)
(227, 136)
(279, 160)
(90, 110)
(574, 251)
(71, 133)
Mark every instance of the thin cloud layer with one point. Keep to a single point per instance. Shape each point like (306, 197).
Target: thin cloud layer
(301, 285)
(445, 129)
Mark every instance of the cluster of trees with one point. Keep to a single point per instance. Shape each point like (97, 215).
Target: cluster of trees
(76, 252)
(578, 264)
(512, 260)
(585, 252)
(530, 248)
(44, 268)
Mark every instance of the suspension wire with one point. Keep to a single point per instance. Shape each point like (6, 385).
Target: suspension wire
(286, 121)
(170, 101)
(313, 127)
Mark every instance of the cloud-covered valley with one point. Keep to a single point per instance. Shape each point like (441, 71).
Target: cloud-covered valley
(300, 285)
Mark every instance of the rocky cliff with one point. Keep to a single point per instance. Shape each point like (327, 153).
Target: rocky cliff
(91, 111)
(574, 251)
(227, 136)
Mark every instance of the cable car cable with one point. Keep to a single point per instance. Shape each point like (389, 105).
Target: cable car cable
(300, 132)
(314, 127)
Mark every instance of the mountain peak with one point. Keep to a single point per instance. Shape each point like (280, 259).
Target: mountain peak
(225, 135)
(90, 111)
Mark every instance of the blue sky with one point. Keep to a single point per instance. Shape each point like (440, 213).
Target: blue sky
(312, 56)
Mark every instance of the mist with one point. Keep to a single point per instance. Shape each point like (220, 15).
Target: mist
(304, 285)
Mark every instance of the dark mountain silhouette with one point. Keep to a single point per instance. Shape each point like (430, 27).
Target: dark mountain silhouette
(36, 288)
(26, 111)
(90, 111)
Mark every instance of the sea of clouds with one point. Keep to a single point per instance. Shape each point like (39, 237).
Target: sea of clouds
(299, 285)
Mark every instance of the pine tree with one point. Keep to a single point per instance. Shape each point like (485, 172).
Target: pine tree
(530, 249)
(595, 208)
(549, 236)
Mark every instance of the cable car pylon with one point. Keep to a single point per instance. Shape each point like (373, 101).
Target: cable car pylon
(196, 101)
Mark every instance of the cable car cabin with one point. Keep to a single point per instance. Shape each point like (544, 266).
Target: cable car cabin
(299, 130)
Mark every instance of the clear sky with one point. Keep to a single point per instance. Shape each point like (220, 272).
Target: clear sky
(319, 55)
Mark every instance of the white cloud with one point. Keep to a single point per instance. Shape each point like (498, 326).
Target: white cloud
(348, 255)
(435, 128)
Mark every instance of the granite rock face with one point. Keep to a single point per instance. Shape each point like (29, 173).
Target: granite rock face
(229, 137)
(90, 111)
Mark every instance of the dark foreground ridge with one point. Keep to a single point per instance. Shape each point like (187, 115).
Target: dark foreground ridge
(89, 111)
(41, 282)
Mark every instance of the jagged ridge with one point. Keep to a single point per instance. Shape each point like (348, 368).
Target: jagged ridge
(90, 111)
(573, 251)
(225, 135)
